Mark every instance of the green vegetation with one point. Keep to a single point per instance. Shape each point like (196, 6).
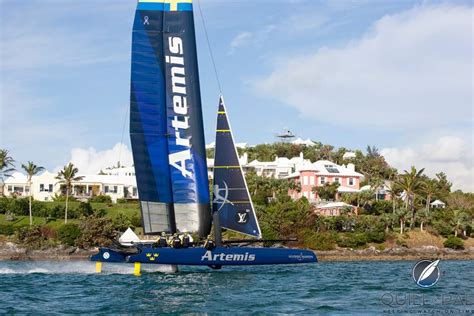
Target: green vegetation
(377, 223)
(454, 243)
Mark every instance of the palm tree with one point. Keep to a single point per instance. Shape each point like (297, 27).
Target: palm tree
(67, 176)
(6, 167)
(429, 188)
(410, 183)
(401, 215)
(375, 184)
(31, 169)
(387, 219)
(459, 221)
(423, 216)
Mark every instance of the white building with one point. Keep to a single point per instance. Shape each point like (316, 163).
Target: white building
(117, 183)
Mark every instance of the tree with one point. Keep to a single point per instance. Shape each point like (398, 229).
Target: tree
(410, 183)
(327, 192)
(31, 169)
(402, 215)
(429, 188)
(387, 219)
(459, 222)
(375, 184)
(423, 216)
(67, 176)
(6, 167)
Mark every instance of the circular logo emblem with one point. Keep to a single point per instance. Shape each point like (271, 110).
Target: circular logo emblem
(426, 273)
(106, 255)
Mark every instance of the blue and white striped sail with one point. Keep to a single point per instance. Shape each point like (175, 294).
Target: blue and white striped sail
(231, 198)
(166, 126)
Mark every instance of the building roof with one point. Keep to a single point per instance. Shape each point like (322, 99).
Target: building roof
(16, 177)
(300, 141)
(437, 202)
(344, 189)
(333, 205)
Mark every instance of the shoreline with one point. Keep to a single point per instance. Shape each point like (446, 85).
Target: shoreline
(11, 252)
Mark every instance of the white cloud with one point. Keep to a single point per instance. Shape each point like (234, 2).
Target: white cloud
(91, 161)
(240, 39)
(413, 69)
(451, 155)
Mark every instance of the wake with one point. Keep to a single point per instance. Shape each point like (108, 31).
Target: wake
(77, 267)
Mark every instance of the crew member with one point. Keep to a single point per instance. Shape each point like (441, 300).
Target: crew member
(176, 242)
(209, 244)
(162, 240)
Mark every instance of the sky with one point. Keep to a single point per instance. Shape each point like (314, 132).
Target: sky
(393, 74)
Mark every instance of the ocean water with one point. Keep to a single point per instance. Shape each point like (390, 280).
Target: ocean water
(323, 288)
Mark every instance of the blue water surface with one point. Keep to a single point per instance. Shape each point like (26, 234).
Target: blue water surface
(323, 288)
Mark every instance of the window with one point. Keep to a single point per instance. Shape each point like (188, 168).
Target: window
(41, 187)
(115, 189)
(27, 189)
(336, 180)
(10, 188)
(106, 189)
(331, 168)
(311, 180)
(350, 181)
(322, 180)
(305, 180)
(306, 194)
(134, 190)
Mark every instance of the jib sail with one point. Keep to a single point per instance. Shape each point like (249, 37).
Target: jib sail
(166, 126)
(231, 198)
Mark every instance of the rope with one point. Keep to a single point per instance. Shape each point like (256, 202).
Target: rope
(127, 108)
(209, 47)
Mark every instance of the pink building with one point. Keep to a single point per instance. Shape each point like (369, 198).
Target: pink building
(316, 174)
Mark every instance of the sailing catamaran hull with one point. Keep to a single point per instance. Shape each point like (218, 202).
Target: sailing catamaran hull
(199, 256)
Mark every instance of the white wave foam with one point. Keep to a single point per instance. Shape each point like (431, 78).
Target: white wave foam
(79, 267)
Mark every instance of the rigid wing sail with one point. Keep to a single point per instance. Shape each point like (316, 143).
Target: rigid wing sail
(166, 128)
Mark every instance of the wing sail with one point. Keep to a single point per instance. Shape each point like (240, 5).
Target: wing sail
(166, 119)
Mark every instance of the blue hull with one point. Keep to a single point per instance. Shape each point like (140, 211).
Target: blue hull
(219, 256)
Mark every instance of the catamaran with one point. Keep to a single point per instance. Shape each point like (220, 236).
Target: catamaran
(167, 138)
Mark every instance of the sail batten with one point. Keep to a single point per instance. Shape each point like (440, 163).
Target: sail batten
(231, 198)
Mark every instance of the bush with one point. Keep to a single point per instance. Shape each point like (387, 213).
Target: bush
(122, 222)
(318, 241)
(84, 209)
(36, 237)
(4, 205)
(442, 227)
(62, 198)
(121, 201)
(6, 230)
(95, 231)
(57, 211)
(352, 240)
(19, 206)
(454, 243)
(376, 237)
(68, 234)
(100, 199)
(136, 221)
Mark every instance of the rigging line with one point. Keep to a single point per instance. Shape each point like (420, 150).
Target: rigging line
(209, 47)
(127, 108)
